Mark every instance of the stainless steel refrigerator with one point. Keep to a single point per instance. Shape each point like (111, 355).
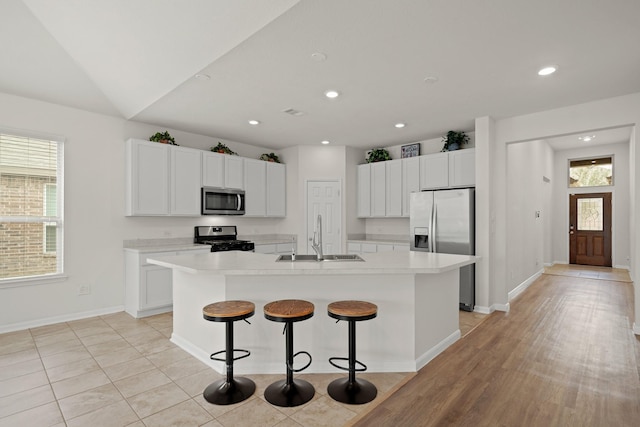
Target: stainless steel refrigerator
(444, 221)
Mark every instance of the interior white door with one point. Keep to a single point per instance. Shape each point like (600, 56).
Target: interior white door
(323, 198)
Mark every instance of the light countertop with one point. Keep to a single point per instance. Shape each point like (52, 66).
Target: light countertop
(236, 263)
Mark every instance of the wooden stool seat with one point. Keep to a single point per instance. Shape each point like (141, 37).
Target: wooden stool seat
(288, 310)
(352, 310)
(228, 311)
(289, 392)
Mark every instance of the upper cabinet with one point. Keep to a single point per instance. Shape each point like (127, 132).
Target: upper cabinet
(434, 171)
(265, 188)
(222, 170)
(364, 191)
(462, 168)
(161, 179)
(384, 188)
(450, 169)
(410, 181)
(276, 189)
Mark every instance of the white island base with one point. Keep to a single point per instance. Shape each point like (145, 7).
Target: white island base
(417, 308)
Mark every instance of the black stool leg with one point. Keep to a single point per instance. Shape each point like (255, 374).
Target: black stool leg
(229, 390)
(352, 390)
(289, 392)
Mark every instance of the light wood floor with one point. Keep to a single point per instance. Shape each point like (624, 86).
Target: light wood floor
(565, 355)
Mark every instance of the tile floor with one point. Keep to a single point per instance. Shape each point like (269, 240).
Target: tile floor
(115, 370)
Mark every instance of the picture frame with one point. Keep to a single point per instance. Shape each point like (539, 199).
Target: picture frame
(410, 150)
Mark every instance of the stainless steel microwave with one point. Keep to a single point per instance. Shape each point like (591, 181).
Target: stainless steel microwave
(220, 201)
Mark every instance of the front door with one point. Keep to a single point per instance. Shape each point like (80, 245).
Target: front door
(590, 229)
(323, 198)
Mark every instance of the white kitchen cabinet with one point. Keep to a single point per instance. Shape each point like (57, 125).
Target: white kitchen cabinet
(185, 181)
(222, 170)
(255, 196)
(148, 287)
(462, 168)
(161, 179)
(393, 187)
(147, 178)
(265, 188)
(364, 191)
(360, 248)
(434, 171)
(276, 189)
(410, 181)
(378, 189)
(233, 171)
(213, 169)
(276, 248)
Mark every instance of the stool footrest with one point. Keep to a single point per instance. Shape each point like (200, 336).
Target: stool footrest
(346, 359)
(246, 353)
(304, 367)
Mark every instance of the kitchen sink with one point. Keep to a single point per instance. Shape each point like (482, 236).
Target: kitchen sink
(314, 258)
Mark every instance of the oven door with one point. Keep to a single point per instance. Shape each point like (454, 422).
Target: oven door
(219, 201)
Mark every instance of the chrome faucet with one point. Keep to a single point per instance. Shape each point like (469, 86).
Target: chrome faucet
(316, 244)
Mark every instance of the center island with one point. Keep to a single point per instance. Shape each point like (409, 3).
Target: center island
(417, 294)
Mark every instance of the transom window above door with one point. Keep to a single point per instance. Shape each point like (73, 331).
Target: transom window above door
(594, 172)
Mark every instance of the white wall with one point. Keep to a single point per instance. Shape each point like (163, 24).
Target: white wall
(95, 225)
(527, 194)
(621, 250)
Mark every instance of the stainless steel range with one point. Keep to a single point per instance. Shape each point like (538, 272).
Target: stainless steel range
(221, 238)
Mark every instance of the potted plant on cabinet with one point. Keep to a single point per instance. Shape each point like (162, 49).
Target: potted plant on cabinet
(221, 148)
(378, 155)
(270, 157)
(163, 138)
(454, 140)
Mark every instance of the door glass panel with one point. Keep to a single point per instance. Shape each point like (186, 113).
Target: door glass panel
(590, 214)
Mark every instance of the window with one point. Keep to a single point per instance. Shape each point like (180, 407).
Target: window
(30, 207)
(591, 172)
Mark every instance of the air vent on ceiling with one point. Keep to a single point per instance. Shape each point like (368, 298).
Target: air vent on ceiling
(293, 112)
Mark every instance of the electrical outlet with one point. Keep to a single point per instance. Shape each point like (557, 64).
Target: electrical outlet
(84, 290)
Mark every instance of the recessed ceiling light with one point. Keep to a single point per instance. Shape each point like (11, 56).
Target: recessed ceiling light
(547, 70)
(254, 122)
(331, 94)
(399, 125)
(430, 79)
(325, 142)
(586, 138)
(203, 77)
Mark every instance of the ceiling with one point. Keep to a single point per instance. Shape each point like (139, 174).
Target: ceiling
(138, 59)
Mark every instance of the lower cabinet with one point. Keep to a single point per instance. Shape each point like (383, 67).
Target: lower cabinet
(363, 248)
(149, 287)
(275, 248)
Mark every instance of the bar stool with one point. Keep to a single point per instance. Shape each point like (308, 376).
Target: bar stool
(229, 390)
(289, 392)
(351, 390)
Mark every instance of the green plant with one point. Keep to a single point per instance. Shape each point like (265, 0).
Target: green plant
(378, 155)
(454, 140)
(221, 148)
(163, 138)
(270, 157)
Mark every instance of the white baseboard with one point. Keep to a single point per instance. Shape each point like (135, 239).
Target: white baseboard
(623, 267)
(494, 307)
(59, 319)
(430, 354)
(482, 309)
(524, 285)
(501, 307)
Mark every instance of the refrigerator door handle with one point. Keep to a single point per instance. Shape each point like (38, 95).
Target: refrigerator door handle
(434, 228)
